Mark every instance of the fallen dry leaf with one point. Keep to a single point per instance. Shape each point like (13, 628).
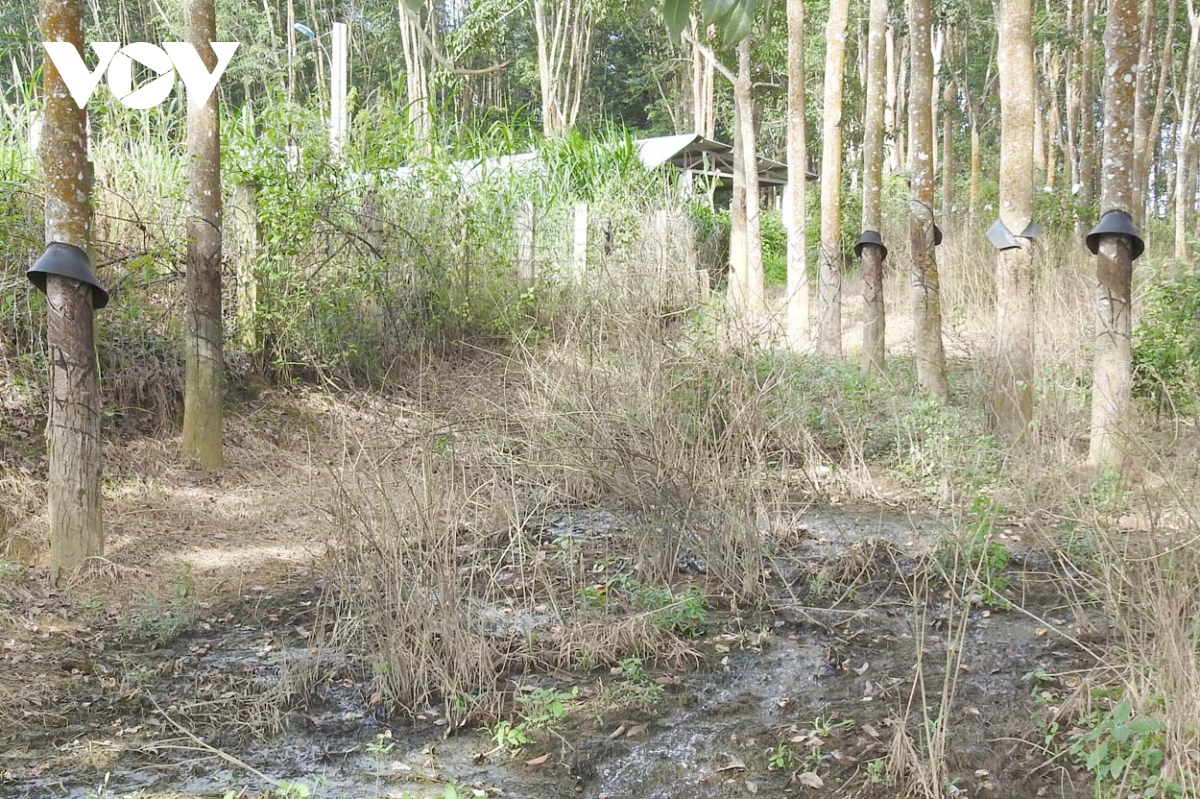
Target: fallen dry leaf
(617, 733)
(811, 779)
(537, 761)
(636, 731)
(735, 764)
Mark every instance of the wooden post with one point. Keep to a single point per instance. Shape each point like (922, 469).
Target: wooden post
(526, 271)
(245, 237)
(73, 425)
(338, 121)
(579, 255)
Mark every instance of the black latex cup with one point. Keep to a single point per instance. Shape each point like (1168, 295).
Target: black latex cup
(869, 237)
(67, 260)
(1116, 223)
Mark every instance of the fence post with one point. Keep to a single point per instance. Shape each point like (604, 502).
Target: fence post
(579, 257)
(337, 89)
(245, 236)
(526, 271)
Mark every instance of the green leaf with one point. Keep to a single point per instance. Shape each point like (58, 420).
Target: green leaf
(1116, 767)
(675, 12)
(1121, 733)
(1097, 756)
(715, 10)
(1122, 711)
(736, 25)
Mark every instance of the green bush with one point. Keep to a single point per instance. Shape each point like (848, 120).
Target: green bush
(1166, 344)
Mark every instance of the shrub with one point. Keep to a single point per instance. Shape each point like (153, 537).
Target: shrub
(1166, 344)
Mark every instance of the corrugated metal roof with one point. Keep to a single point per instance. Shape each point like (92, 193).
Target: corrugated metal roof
(682, 151)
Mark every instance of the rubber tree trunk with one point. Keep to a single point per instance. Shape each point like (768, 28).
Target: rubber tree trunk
(797, 161)
(73, 424)
(738, 289)
(744, 101)
(874, 319)
(1112, 377)
(1142, 151)
(203, 423)
(1013, 392)
(829, 290)
(1185, 145)
(948, 97)
(927, 312)
(1087, 98)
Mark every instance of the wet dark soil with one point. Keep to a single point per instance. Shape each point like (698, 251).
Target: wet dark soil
(803, 698)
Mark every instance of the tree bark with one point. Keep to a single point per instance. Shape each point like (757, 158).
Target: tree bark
(891, 117)
(1054, 121)
(564, 46)
(1013, 395)
(1184, 145)
(744, 100)
(948, 98)
(874, 319)
(927, 313)
(703, 74)
(416, 75)
(829, 292)
(1141, 113)
(73, 425)
(203, 423)
(976, 158)
(1087, 105)
(1112, 379)
(1160, 97)
(797, 165)
(738, 285)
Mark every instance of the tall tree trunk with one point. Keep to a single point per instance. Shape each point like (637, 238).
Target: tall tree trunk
(1160, 98)
(1112, 378)
(738, 287)
(927, 312)
(976, 158)
(564, 45)
(892, 120)
(939, 44)
(203, 425)
(1072, 150)
(73, 425)
(1087, 105)
(902, 102)
(416, 71)
(948, 99)
(744, 100)
(703, 74)
(1142, 152)
(797, 165)
(1184, 195)
(1054, 121)
(829, 293)
(291, 51)
(874, 320)
(1013, 394)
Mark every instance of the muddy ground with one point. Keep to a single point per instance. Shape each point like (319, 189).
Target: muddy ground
(826, 684)
(172, 671)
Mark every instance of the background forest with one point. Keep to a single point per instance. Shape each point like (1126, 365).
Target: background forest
(586, 478)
